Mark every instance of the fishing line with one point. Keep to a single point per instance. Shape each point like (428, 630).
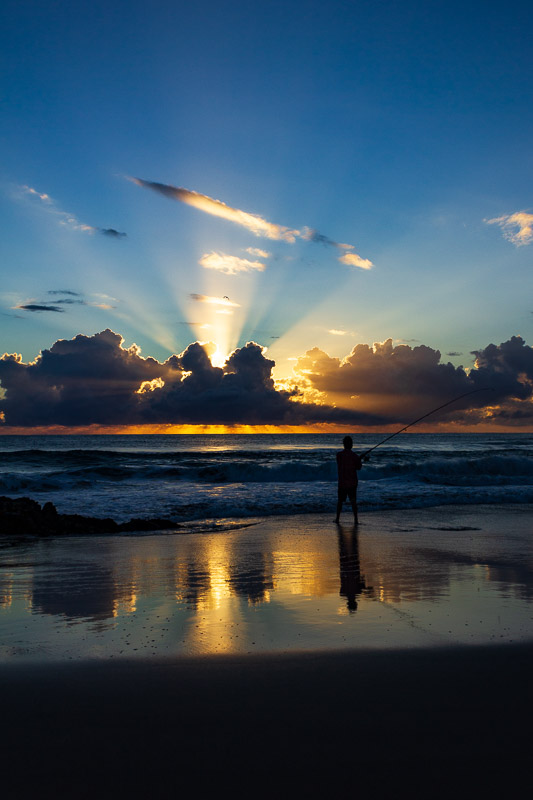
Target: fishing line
(455, 399)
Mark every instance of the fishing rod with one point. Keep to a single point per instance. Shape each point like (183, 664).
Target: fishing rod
(455, 399)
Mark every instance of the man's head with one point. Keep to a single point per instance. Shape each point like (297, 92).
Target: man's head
(347, 442)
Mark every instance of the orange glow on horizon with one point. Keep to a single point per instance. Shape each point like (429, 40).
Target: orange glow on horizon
(318, 427)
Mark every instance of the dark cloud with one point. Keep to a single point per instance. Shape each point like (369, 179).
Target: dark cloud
(88, 379)
(453, 353)
(313, 235)
(97, 380)
(241, 392)
(41, 307)
(74, 299)
(401, 382)
(112, 232)
(69, 301)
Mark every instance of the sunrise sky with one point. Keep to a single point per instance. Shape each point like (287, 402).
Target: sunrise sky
(311, 177)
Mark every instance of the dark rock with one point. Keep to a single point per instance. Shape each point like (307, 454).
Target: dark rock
(23, 516)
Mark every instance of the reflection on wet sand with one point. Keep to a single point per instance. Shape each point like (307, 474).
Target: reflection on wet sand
(202, 575)
(214, 592)
(75, 590)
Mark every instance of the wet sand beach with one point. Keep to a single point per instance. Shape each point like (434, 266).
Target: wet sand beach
(289, 653)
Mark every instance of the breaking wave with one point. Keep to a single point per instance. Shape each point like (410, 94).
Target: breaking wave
(253, 478)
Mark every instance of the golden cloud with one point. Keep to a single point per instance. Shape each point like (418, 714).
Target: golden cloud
(353, 260)
(517, 228)
(256, 251)
(229, 265)
(253, 222)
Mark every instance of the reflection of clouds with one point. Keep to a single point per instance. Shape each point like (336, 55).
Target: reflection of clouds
(396, 573)
(516, 579)
(511, 577)
(253, 579)
(75, 591)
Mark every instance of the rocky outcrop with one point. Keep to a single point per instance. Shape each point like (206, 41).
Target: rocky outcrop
(23, 516)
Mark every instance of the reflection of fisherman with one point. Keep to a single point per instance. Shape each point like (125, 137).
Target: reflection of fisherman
(348, 463)
(352, 580)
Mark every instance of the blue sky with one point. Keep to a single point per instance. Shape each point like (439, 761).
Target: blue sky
(397, 129)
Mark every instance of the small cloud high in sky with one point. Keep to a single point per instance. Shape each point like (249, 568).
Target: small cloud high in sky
(253, 222)
(360, 205)
(65, 218)
(213, 301)
(61, 299)
(39, 307)
(517, 227)
(229, 265)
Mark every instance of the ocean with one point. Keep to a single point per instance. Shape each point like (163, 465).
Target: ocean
(205, 479)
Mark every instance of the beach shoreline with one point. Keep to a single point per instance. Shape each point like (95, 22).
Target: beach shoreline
(384, 695)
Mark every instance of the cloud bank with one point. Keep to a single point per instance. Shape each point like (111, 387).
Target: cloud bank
(401, 382)
(97, 380)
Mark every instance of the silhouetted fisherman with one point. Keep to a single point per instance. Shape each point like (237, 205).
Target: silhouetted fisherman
(348, 463)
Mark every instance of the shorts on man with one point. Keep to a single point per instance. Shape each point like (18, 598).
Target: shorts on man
(347, 491)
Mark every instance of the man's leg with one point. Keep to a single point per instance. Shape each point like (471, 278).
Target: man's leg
(341, 497)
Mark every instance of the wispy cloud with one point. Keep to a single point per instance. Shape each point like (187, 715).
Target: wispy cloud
(216, 301)
(354, 260)
(517, 228)
(62, 297)
(257, 252)
(39, 307)
(229, 265)
(67, 219)
(112, 233)
(336, 332)
(253, 222)
(103, 301)
(350, 258)
(312, 235)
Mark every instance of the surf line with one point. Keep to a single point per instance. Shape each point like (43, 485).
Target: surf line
(429, 413)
